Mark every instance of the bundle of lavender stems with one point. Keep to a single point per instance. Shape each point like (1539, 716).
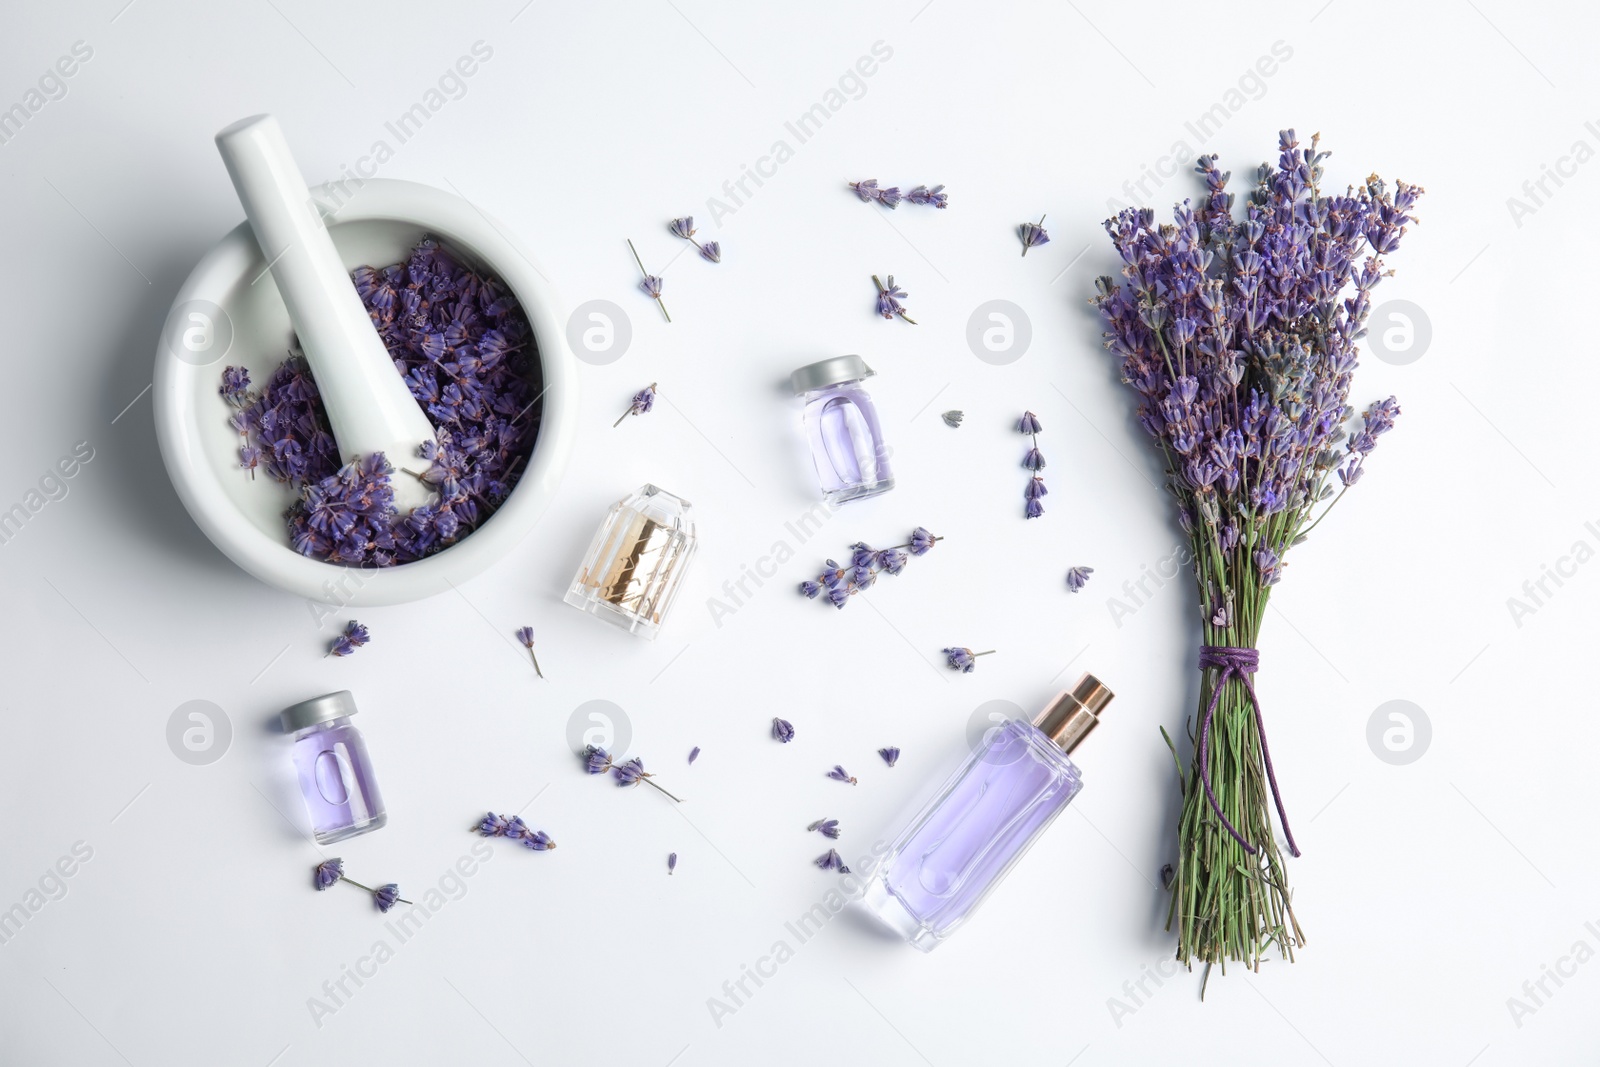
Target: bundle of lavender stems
(1239, 339)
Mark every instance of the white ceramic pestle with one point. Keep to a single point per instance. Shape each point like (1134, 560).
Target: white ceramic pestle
(369, 407)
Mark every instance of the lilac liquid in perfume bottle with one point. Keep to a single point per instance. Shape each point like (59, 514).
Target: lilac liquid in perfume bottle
(969, 836)
(335, 772)
(842, 429)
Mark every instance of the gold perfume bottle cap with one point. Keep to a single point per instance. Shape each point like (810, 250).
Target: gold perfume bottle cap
(1068, 718)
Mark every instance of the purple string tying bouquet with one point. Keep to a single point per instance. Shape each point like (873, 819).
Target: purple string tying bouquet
(1238, 337)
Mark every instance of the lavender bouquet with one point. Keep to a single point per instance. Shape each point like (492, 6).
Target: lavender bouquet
(1238, 337)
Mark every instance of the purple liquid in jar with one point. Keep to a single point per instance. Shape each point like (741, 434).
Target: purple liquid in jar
(843, 430)
(967, 838)
(335, 772)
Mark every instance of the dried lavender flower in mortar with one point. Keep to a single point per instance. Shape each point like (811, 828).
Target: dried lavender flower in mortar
(328, 872)
(1033, 233)
(923, 195)
(783, 730)
(694, 754)
(235, 385)
(828, 828)
(839, 774)
(1078, 577)
(832, 861)
(891, 755)
(952, 418)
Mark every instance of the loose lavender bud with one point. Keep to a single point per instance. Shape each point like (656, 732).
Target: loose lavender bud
(328, 872)
(839, 774)
(683, 227)
(952, 418)
(810, 589)
(1033, 508)
(1078, 577)
(355, 635)
(1035, 489)
(711, 251)
(963, 659)
(629, 773)
(832, 861)
(1029, 423)
(839, 595)
(650, 283)
(672, 862)
(385, 896)
(783, 730)
(525, 635)
(890, 296)
(643, 401)
(891, 755)
(1033, 233)
(922, 541)
(923, 195)
(1033, 460)
(694, 754)
(828, 828)
(596, 760)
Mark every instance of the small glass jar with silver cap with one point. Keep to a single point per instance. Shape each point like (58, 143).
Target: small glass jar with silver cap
(842, 428)
(335, 772)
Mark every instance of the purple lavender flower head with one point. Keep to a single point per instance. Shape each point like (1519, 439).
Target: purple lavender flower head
(1033, 460)
(828, 828)
(1034, 489)
(839, 595)
(538, 841)
(1033, 234)
(711, 251)
(960, 659)
(492, 825)
(651, 284)
(783, 730)
(892, 560)
(683, 227)
(596, 759)
(868, 191)
(891, 755)
(1033, 509)
(921, 541)
(1078, 577)
(643, 400)
(810, 589)
(630, 773)
(328, 872)
(235, 384)
(890, 296)
(832, 861)
(386, 895)
(525, 635)
(1029, 423)
(923, 195)
(516, 829)
(839, 774)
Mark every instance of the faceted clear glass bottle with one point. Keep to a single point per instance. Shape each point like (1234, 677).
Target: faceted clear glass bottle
(636, 561)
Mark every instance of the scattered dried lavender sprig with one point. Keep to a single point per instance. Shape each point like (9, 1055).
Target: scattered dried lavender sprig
(355, 635)
(869, 193)
(840, 583)
(936, 197)
(963, 659)
(492, 825)
(783, 730)
(952, 418)
(525, 635)
(643, 401)
(1034, 492)
(832, 861)
(828, 828)
(694, 754)
(891, 755)
(598, 761)
(330, 872)
(651, 284)
(889, 297)
(839, 774)
(1078, 577)
(711, 251)
(1032, 234)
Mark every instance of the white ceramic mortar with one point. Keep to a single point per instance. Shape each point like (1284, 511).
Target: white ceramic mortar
(244, 323)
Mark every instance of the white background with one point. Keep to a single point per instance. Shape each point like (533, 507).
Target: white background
(1430, 892)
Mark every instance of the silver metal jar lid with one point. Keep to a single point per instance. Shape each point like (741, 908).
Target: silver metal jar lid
(826, 372)
(325, 708)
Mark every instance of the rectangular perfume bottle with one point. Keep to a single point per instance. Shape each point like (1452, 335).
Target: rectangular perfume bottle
(1012, 786)
(636, 561)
